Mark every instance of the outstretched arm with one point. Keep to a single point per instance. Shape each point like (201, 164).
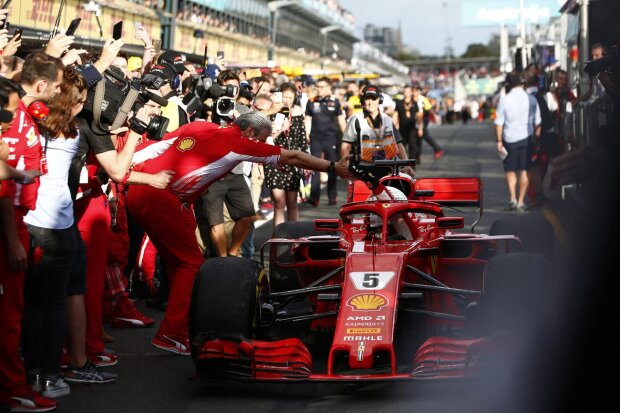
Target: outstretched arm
(307, 161)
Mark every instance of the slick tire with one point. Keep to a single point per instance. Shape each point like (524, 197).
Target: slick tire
(515, 292)
(223, 301)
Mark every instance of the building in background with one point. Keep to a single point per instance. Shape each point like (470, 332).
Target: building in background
(387, 39)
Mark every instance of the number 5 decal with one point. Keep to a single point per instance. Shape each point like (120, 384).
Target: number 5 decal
(371, 280)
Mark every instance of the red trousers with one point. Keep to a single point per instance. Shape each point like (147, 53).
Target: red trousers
(171, 226)
(94, 224)
(12, 373)
(146, 262)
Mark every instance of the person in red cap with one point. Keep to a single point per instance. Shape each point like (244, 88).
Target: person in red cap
(199, 154)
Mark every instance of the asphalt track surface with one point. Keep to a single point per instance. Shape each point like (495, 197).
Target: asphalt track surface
(151, 380)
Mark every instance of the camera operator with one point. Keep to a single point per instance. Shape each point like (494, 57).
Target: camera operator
(169, 68)
(95, 161)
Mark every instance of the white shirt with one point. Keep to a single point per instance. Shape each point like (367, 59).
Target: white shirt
(518, 112)
(54, 208)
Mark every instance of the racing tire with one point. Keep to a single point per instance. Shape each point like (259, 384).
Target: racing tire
(514, 289)
(224, 300)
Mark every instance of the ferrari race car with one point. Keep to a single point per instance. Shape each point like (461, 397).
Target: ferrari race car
(388, 290)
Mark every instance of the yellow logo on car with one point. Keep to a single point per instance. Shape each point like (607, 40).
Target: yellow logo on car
(367, 302)
(185, 144)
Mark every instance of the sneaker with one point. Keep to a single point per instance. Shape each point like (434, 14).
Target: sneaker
(89, 374)
(512, 205)
(36, 382)
(438, 154)
(55, 387)
(169, 342)
(31, 401)
(521, 208)
(106, 359)
(127, 315)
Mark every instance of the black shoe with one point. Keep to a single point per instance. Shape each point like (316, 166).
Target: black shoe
(156, 302)
(332, 203)
(312, 202)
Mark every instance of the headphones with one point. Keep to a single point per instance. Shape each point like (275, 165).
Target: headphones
(38, 109)
(175, 82)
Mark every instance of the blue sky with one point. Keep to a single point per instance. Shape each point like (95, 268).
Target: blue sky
(426, 24)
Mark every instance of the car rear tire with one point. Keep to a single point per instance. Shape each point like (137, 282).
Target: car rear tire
(224, 300)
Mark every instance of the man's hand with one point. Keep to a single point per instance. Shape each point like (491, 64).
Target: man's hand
(143, 34)
(409, 171)
(342, 168)
(59, 44)
(73, 56)
(28, 177)
(161, 179)
(108, 54)
(18, 260)
(12, 46)
(4, 38)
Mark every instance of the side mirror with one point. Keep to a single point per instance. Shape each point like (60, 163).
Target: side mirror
(450, 222)
(327, 224)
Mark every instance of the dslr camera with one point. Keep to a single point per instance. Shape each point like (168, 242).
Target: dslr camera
(610, 62)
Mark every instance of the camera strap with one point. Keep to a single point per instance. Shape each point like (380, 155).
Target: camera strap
(125, 108)
(97, 102)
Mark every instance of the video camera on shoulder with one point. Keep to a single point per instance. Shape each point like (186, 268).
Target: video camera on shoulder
(204, 87)
(114, 97)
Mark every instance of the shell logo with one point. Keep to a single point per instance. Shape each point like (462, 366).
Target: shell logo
(367, 302)
(186, 144)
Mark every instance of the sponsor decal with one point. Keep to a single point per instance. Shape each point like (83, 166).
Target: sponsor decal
(376, 280)
(186, 144)
(363, 338)
(371, 302)
(365, 318)
(363, 330)
(364, 324)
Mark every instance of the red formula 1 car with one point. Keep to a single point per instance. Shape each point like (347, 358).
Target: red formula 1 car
(389, 290)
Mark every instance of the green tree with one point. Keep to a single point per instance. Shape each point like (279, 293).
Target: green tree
(478, 50)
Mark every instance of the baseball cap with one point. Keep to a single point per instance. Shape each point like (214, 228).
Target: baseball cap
(173, 58)
(371, 91)
(164, 72)
(134, 63)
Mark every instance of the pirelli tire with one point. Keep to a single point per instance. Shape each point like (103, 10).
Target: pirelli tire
(224, 300)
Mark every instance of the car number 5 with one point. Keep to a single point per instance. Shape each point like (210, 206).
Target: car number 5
(371, 280)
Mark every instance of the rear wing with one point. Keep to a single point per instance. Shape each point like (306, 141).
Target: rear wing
(453, 192)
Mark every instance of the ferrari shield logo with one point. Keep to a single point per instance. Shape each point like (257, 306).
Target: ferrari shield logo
(186, 144)
(370, 302)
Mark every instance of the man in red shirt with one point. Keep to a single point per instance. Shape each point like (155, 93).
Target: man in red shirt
(41, 78)
(199, 153)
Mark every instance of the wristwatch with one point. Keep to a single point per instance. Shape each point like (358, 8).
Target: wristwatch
(332, 167)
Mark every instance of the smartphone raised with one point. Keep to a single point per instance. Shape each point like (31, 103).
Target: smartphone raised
(17, 33)
(220, 54)
(73, 26)
(117, 32)
(137, 25)
(156, 45)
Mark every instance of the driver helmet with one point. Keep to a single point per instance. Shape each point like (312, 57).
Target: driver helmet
(397, 195)
(403, 182)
